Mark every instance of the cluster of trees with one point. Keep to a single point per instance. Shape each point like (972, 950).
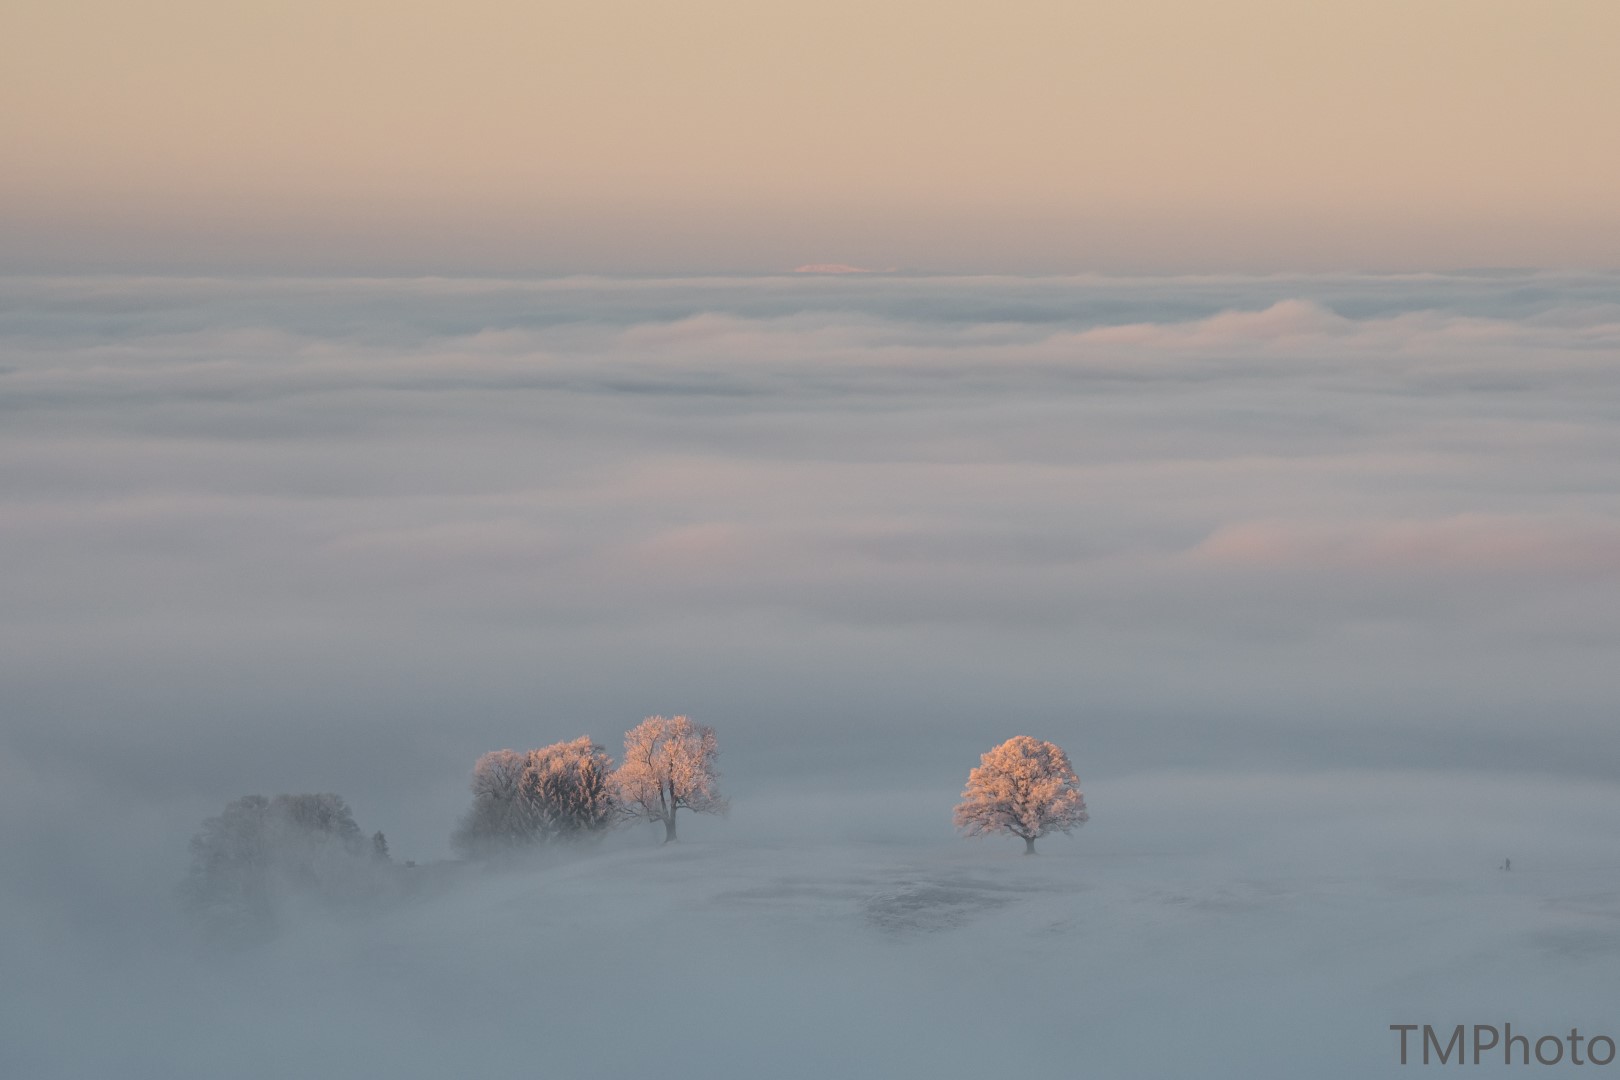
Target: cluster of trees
(559, 792)
(572, 791)
(260, 854)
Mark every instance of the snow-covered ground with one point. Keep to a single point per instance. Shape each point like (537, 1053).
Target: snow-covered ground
(1202, 925)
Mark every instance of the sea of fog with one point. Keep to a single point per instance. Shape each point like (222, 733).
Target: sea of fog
(1316, 579)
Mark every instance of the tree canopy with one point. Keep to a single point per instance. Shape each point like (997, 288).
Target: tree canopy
(669, 763)
(1024, 786)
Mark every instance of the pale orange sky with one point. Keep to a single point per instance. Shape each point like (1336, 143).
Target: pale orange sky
(633, 135)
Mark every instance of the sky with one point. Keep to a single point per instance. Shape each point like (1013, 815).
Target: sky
(501, 137)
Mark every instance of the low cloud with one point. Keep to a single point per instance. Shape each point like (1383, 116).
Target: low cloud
(453, 515)
(1461, 545)
(1301, 572)
(837, 268)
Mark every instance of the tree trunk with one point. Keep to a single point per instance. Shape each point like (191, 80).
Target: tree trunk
(669, 827)
(1029, 845)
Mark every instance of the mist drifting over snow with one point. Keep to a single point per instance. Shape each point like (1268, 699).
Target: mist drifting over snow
(1315, 579)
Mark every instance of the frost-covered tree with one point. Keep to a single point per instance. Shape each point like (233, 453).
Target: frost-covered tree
(568, 787)
(261, 853)
(558, 792)
(669, 763)
(379, 847)
(1026, 787)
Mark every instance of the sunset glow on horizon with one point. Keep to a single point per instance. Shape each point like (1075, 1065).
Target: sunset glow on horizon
(625, 137)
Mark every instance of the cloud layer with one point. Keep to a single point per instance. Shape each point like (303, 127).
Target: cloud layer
(1306, 574)
(306, 535)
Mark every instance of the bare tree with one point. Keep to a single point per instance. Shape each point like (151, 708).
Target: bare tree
(1026, 787)
(228, 889)
(247, 862)
(499, 817)
(669, 763)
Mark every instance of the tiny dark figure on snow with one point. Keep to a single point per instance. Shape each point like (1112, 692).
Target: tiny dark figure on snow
(1507, 864)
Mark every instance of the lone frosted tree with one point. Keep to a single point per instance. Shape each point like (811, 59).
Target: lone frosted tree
(1026, 787)
(669, 762)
